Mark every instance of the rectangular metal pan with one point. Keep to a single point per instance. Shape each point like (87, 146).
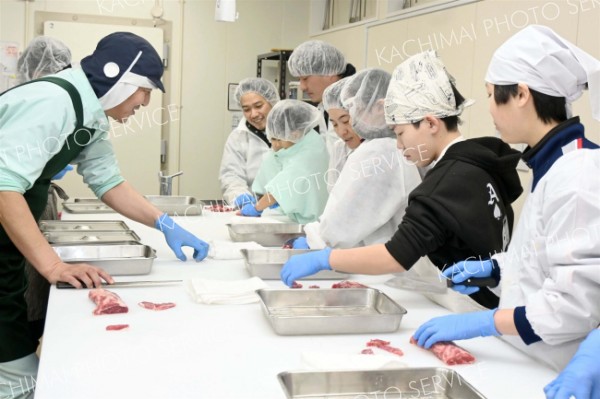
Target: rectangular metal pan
(117, 260)
(330, 311)
(177, 205)
(267, 263)
(266, 234)
(92, 237)
(430, 383)
(88, 206)
(85, 225)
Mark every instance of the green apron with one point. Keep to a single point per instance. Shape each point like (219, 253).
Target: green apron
(15, 337)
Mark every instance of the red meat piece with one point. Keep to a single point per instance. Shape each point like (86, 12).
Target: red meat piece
(367, 351)
(296, 285)
(313, 286)
(107, 302)
(219, 208)
(449, 353)
(348, 284)
(157, 306)
(385, 345)
(116, 327)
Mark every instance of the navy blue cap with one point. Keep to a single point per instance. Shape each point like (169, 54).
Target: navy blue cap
(114, 55)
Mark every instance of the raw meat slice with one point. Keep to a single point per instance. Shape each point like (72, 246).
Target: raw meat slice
(107, 302)
(296, 285)
(385, 345)
(449, 353)
(313, 286)
(157, 306)
(367, 351)
(116, 327)
(348, 284)
(219, 208)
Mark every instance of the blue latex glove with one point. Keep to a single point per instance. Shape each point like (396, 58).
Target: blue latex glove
(62, 173)
(178, 237)
(581, 377)
(250, 210)
(465, 270)
(303, 265)
(300, 243)
(453, 327)
(244, 199)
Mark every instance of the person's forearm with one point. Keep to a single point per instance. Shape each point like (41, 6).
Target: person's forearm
(374, 259)
(128, 202)
(504, 319)
(22, 229)
(266, 201)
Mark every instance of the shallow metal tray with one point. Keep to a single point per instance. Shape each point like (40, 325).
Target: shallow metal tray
(267, 263)
(330, 311)
(266, 234)
(66, 225)
(177, 205)
(117, 260)
(95, 237)
(430, 383)
(86, 205)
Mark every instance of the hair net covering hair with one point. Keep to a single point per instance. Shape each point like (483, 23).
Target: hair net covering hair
(332, 95)
(363, 97)
(316, 57)
(291, 120)
(43, 56)
(260, 86)
(547, 63)
(421, 86)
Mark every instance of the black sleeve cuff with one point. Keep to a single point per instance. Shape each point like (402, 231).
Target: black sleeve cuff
(495, 272)
(524, 327)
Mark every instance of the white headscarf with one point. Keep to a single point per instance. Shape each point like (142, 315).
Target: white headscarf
(544, 61)
(420, 86)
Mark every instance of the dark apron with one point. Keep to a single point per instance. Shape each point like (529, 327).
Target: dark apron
(16, 340)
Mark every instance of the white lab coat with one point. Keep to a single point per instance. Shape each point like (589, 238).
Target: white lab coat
(367, 203)
(337, 159)
(552, 265)
(242, 156)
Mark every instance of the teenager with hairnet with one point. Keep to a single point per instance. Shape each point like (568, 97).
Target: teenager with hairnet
(65, 117)
(462, 207)
(550, 274)
(367, 203)
(247, 144)
(291, 178)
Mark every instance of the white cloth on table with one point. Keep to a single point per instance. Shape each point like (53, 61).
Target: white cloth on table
(227, 250)
(234, 292)
(350, 361)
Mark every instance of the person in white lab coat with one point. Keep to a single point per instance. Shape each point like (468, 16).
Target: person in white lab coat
(367, 203)
(247, 143)
(550, 273)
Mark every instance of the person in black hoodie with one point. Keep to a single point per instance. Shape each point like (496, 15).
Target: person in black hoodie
(461, 209)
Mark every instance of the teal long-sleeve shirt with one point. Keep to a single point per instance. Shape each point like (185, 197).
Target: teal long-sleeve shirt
(35, 121)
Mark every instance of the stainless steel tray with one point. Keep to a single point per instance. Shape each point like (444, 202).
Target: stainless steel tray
(86, 205)
(65, 225)
(177, 205)
(92, 237)
(330, 311)
(117, 260)
(266, 234)
(430, 383)
(267, 263)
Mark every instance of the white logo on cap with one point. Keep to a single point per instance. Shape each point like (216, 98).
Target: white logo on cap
(111, 69)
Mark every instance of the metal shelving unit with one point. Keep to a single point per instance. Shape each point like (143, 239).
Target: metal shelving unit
(281, 56)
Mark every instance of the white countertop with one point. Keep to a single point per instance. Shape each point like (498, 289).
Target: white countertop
(225, 351)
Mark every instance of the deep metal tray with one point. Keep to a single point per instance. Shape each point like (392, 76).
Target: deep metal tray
(92, 237)
(177, 205)
(86, 205)
(330, 311)
(65, 225)
(266, 234)
(267, 263)
(117, 260)
(430, 383)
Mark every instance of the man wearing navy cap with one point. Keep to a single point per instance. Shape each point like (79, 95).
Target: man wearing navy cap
(45, 125)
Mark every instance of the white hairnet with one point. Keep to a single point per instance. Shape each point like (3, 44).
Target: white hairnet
(363, 97)
(260, 86)
(332, 95)
(43, 56)
(316, 57)
(290, 120)
(547, 63)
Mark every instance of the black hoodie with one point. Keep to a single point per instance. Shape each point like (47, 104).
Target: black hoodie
(462, 208)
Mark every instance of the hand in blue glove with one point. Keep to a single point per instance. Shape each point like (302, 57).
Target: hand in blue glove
(62, 173)
(467, 269)
(299, 266)
(244, 199)
(300, 243)
(460, 326)
(250, 210)
(178, 237)
(581, 377)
